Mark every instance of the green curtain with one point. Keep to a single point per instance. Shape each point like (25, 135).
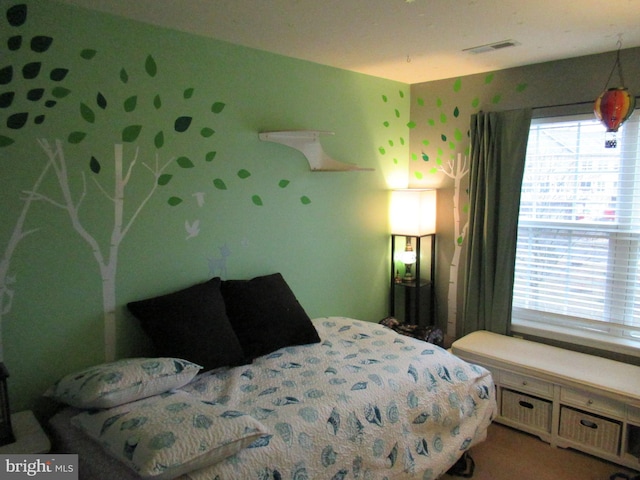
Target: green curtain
(498, 150)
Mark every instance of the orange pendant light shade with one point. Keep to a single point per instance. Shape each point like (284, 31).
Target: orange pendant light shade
(613, 107)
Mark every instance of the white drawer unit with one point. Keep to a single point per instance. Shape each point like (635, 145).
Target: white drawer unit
(592, 402)
(569, 399)
(528, 384)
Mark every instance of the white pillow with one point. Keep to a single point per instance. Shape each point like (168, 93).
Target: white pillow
(165, 436)
(111, 384)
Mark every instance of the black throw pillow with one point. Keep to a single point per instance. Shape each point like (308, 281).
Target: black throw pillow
(191, 324)
(266, 315)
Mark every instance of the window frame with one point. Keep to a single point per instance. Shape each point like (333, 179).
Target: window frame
(607, 336)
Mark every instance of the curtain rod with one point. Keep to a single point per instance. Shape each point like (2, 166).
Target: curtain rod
(573, 104)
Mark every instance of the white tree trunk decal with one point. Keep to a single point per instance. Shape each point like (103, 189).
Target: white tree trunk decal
(456, 170)
(6, 280)
(107, 263)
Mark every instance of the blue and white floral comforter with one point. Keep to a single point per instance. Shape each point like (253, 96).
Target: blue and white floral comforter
(365, 403)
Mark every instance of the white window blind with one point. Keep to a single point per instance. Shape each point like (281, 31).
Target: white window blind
(578, 251)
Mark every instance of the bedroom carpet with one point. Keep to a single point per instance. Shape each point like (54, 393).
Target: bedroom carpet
(508, 454)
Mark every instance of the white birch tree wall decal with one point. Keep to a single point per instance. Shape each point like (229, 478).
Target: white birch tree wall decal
(7, 280)
(455, 167)
(457, 171)
(71, 201)
(107, 259)
(44, 92)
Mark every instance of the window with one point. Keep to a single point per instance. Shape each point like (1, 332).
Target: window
(578, 253)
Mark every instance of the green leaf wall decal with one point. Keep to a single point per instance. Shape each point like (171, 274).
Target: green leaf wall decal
(5, 141)
(130, 133)
(411, 124)
(158, 140)
(130, 103)
(217, 107)
(173, 201)
(86, 113)
(185, 162)
(94, 165)
(305, 200)
(101, 101)
(188, 93)
(150, 66)
(31, 70)
(157, 102)
(182, 124)
(6, 75)
(283, 183)
(242, 173)
(41, 43)
(210, 156)
(17, 15)
(257, 200)
(58, 74)
(164, 179)
(60, 92)
(34, 94)
(76, 137)
(14, 43)
(6, 99)
(207, 132)
(88, 53)
(124, 77)
(219, 184)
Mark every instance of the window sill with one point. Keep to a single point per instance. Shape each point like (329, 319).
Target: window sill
(617, 345)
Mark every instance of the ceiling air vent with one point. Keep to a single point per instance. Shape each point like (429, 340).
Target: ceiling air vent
(492, 47)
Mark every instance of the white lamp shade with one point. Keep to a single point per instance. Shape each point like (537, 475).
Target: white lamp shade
(413, 212)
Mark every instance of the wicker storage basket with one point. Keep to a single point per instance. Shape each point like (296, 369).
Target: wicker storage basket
(526, 410)
(590, 430)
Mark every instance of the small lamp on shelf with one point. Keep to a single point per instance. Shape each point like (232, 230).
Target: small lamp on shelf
(6, 432)
(408, 257)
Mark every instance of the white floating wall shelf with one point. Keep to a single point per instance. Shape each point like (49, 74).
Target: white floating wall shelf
(308, 142)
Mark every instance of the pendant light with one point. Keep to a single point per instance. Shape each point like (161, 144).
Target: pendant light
(614, 105)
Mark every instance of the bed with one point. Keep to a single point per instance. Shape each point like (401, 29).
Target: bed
(361, 402)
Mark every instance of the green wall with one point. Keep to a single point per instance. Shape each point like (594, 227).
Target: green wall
(440, 115)
(194, 192)
(205, 196)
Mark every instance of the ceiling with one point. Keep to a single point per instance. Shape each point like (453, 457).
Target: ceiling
(411, 41)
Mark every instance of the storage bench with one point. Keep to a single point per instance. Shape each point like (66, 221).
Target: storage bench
(569, 399)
